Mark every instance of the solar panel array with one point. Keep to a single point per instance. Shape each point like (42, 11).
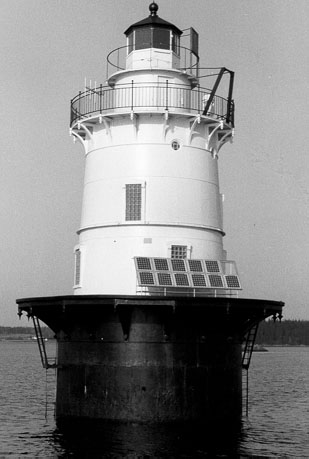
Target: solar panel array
(169, 272)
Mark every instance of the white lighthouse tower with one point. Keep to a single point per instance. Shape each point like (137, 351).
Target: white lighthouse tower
(151, 193)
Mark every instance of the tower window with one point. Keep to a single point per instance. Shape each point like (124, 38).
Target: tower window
(133, 201)
(77, 266)
(179, 252)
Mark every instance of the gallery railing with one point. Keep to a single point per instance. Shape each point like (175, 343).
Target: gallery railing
(184, 59)
(149, 97)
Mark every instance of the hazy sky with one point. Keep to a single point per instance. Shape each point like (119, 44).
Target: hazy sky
(48, 47)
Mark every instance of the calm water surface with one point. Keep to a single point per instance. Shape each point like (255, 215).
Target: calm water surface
(277, 426)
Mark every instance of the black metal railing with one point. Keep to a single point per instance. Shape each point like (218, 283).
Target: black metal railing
(184, 59)
(149, 96)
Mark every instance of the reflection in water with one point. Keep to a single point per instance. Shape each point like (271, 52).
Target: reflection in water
(102, 439)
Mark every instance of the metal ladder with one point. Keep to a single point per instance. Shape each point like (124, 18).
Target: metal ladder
(50, 365)
(246, 359)
(47, 362)
(50, 392)
(249, 345)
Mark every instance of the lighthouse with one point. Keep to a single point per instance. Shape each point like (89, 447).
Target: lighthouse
(154, 329)
(151, 191)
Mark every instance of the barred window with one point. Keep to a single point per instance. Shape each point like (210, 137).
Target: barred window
(133, 202)
(179, 251)
(77, 266)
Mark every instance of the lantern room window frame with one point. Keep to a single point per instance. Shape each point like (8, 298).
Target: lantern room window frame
(153, 37)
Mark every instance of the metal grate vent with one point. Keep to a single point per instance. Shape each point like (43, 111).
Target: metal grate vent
(179, 252)
(133, 201)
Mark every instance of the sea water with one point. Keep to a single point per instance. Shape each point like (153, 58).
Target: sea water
(277, 424)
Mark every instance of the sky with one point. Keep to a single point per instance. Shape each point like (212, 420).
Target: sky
(48, 47)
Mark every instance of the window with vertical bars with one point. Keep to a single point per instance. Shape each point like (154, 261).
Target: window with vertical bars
(179, 252)
(77, 266)
(133, 201)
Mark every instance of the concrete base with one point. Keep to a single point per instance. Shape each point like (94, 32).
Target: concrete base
(148, 359)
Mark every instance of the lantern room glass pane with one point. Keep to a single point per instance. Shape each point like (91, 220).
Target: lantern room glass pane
(143, 38)
(130, 39)
(161, 38)
(175, 43)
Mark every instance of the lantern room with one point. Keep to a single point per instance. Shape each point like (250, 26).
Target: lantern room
(153, 40)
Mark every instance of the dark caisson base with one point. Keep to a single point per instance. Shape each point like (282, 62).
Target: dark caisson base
(149, 359)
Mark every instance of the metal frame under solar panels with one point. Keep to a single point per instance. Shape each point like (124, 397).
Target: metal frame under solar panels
(229, 267)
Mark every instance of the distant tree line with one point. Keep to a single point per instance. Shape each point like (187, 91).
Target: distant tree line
(24, 332)
(288, 332)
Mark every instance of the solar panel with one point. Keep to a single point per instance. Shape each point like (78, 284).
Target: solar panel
(182, 280)
(143, 263)
(178, 265)
(232, 281)
(146, 278)
(198, 280)
(215, 280)
(161, 264)
(195, 266)
(164, 279)
(212, 266)
(200, 274)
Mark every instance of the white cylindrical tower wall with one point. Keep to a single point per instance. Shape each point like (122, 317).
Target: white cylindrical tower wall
(180, 198)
